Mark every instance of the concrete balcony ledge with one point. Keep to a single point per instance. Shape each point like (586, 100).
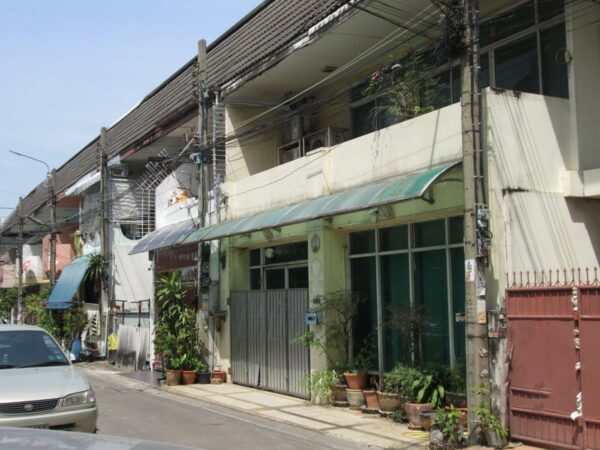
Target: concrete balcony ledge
(585, 184)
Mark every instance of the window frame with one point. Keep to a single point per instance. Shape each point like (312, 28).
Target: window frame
(411, 250)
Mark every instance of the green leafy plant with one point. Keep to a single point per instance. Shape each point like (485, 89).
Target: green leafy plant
(36, 313)
(8, 300)
(451, 431)
(74, 321)
(400, 381)
(176, 334)
(319, 384)
(96, 270)
(429, 389)
(408, 87)
(488, 424)
(365, 360)
(399, 416)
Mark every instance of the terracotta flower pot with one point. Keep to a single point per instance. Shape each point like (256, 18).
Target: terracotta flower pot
(427, 418)
(356, 398)
(413, 411)
(371, 399)
(173, 376)
(218, 376)
(389, 402)
(356, 381)
(189, 376)
(338, 393)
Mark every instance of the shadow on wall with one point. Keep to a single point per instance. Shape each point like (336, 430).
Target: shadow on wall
(587, 212)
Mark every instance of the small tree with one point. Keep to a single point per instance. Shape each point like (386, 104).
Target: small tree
(408, 87)
(176, 336)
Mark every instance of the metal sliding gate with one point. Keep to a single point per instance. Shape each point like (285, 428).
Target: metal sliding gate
(263, 352)
(554, 350)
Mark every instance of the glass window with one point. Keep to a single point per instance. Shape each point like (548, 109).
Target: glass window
(275, 278)
(393, 238)
(554, 67)
(456, 231)
(517, 65)
(395, 296)
(297, 251)
(364, 284)
(456, 84)
(503, 26)
(364, 119)
(442, 95)
(23, 348)
(429, 234)
(255, 279)
(431, 307)
(457, 261)
(547, 9)
(298, 277)
(484, 72)
(255, 257)
(362, 242)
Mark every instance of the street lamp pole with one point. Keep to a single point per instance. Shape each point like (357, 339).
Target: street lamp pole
(51, 175)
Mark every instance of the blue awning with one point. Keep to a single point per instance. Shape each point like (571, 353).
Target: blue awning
(68, 283)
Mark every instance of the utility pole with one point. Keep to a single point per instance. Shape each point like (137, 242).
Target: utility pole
(203, 263)
(20, 262)
(202, 139)
(103, 169)
(52, 195)
(476, 215)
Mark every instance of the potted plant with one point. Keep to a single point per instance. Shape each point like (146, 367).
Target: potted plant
(356, 376)
(319, 383)
(172, 371)
(371, 398)
(202, 372)
(489, 426)
(447, 431)
(427, 395)
(339, 309)
(397, 388)
(218, 376)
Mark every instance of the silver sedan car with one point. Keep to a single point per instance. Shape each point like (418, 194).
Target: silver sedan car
(39, 387)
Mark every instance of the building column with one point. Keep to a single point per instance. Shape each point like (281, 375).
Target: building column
(327, 262)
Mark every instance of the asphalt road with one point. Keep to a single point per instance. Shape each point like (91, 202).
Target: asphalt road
(132, 409)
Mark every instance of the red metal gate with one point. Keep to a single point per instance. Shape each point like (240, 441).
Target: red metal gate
(554, 396)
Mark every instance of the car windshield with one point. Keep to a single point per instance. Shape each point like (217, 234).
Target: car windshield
(29, 348)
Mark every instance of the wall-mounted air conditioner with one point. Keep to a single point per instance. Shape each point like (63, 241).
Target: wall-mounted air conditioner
(289, 152)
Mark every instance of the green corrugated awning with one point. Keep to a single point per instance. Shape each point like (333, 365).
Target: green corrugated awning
(357, 199)
(68, 283)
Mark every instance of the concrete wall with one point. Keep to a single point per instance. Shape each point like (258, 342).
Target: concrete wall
(527, 138)
(131, 274)
(33, 268)
(582, 22)
(417, 144)
(248, 156)
(171, 207)
(65, 249)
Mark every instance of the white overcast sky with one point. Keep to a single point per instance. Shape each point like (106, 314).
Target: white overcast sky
(69, 67)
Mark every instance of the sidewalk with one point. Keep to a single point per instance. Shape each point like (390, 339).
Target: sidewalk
(369, 430)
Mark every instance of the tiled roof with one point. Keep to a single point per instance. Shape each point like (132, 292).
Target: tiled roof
(270, 28)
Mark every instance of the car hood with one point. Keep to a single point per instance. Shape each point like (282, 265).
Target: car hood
(40, 383)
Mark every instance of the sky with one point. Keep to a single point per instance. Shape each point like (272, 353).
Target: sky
(70, 67)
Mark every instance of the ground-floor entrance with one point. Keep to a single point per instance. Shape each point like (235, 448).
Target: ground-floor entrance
(554, 365)
(264, 354)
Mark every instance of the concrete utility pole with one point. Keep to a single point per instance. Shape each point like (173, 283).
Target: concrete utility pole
(52, 195)
(475, 214)
(21, 220)
(103, 169)
(202, 139)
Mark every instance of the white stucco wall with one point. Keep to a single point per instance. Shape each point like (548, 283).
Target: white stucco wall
(536, 227)
(417, 144)
(131, 274)
(183, 180)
